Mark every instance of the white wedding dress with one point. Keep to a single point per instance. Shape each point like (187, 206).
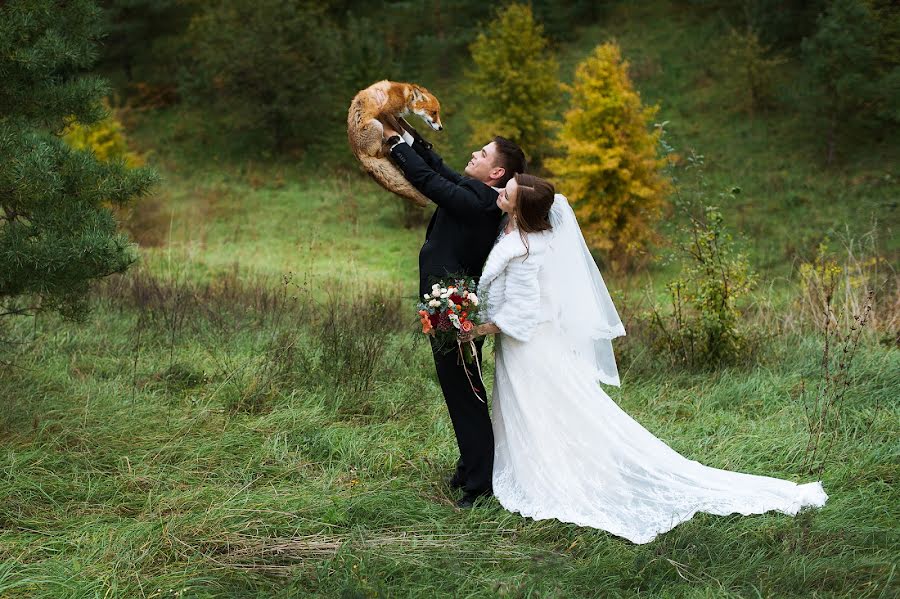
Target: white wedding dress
(563, 448)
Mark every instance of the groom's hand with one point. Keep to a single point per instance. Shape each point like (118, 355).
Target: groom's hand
(388, 130)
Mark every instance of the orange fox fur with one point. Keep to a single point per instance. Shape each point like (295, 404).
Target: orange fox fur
(365, 132)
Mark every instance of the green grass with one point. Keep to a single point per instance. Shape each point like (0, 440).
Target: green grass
(213, 432)
(154, 476)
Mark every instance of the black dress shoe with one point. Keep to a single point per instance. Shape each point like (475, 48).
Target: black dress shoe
(468, 499)
(456, 481)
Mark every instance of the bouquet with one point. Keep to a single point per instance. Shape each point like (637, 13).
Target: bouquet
(448, 310)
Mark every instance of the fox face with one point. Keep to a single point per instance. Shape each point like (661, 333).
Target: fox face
(427, 107)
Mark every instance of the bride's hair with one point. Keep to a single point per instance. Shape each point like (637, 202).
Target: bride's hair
(534, 198)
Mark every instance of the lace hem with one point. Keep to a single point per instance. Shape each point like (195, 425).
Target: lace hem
(654, 524)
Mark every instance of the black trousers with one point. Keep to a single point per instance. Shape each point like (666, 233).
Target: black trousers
(470, 417)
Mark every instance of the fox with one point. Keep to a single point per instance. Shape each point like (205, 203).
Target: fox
(365, 131)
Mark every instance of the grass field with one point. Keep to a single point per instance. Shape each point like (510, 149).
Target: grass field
(218, 427)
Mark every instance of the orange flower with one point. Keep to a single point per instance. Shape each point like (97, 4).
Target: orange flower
(426, 322)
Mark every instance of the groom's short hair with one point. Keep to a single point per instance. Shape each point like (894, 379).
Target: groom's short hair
(511, 157)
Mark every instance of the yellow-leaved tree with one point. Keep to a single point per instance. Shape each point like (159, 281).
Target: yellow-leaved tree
(514, 81)
(608, 166)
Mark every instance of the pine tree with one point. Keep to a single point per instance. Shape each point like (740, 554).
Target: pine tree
(859, 74)
(57, 232)
(514, 80)
(609, 167)
(751, 67)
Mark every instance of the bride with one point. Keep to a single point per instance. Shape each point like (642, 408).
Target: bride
(563, 449)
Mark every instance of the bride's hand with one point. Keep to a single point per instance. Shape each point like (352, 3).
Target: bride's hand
(480, 330)
(467, 337)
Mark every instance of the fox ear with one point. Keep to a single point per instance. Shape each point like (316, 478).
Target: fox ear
(418, 96)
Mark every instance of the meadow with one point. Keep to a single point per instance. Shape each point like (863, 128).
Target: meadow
(250, 411)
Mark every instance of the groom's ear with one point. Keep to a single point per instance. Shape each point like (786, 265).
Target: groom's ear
(497, 172)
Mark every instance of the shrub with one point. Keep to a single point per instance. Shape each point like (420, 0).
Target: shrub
(703, 326)
(609, 168)
(835, 289)
(823, 401)
(105, 138)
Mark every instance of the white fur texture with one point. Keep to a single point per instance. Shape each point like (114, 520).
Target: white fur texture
(511, 283)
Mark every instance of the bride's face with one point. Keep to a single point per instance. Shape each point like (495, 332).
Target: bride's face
(506, 201)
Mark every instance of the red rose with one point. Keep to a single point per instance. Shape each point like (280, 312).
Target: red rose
(434, 318)
(456, 299)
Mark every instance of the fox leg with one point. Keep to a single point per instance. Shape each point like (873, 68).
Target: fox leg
(369, 137)
(392, 121)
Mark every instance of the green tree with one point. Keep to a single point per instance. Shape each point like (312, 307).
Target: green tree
(143, 36)
(857, 65)
(778, 23)
(514, 81)
(562, 20)
(57, 232)
(274, 66)
(609, 166)
(751, 67)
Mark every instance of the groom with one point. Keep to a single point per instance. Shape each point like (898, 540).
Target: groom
(458, 240)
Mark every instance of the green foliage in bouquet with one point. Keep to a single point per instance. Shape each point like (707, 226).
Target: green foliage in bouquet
(451, 308)
(57, 232)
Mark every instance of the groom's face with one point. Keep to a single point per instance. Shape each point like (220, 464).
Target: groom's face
(483, 166)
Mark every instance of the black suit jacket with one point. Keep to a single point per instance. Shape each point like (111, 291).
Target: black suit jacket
(465, 224)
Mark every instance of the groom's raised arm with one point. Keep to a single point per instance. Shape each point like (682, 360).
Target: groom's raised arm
(424, 149)
(455, 196)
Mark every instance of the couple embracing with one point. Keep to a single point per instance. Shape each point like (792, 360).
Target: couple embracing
(558, 446)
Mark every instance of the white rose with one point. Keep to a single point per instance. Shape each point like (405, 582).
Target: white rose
(473, 299)
(443, 290)
(434, 303)
(445, 295)
(426, 296)
(436, 293)
(435, 286)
